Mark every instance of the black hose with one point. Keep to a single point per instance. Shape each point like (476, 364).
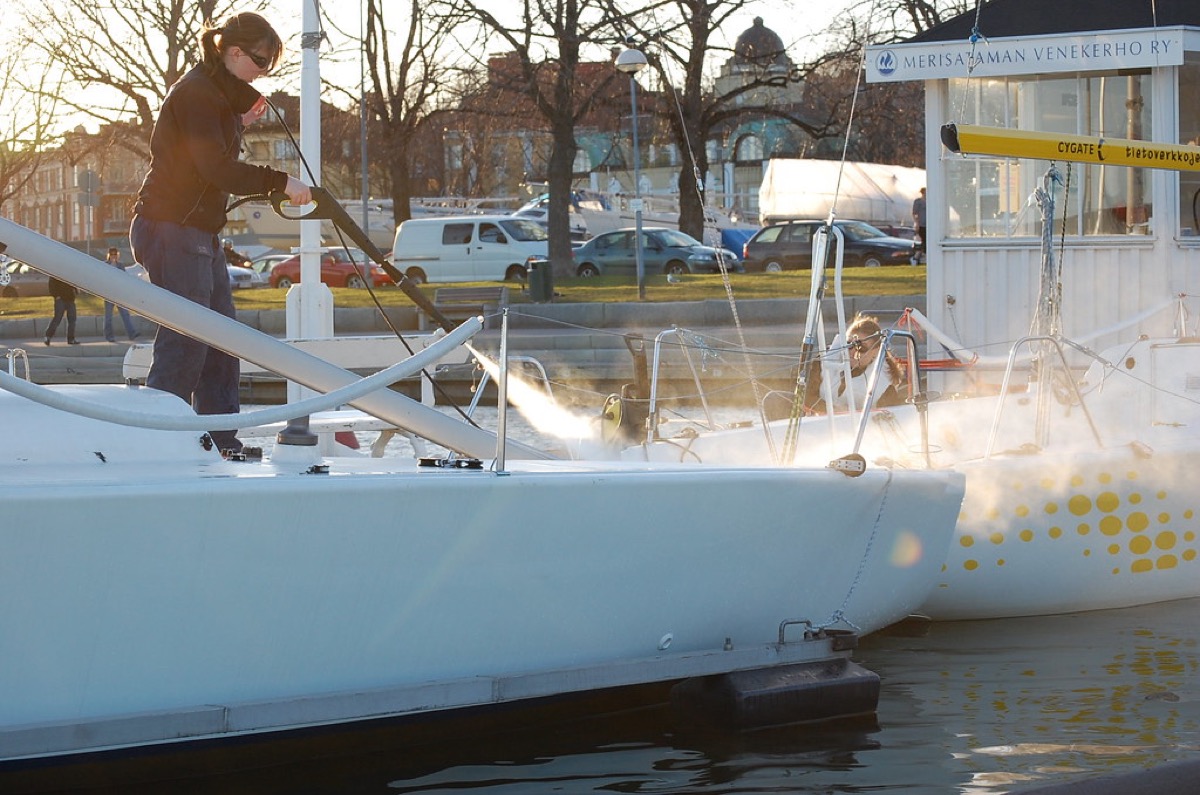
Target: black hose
(326, 207)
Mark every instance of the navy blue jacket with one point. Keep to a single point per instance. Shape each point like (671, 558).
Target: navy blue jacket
(194, 148)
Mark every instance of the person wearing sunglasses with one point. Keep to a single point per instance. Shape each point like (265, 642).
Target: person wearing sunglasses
(180, 208)
(864, 337)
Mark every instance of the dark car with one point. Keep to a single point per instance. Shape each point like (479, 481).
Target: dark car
(906, 232)
(787, 245)
(663, 251)
(337, 270)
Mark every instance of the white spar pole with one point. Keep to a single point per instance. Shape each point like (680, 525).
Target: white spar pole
(310, 303)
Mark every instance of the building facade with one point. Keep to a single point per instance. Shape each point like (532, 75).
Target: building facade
(1126, 238)
(483, 153)
(507, 155)
(82, 192)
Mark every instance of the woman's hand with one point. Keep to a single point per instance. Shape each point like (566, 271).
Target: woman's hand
(255, 113)
(298, 193)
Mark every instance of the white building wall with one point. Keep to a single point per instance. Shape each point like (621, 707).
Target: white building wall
(983, 292)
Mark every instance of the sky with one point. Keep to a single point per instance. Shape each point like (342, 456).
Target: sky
(800, 33)
(796, 30)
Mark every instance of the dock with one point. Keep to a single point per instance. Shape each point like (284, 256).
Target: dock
(582, 347)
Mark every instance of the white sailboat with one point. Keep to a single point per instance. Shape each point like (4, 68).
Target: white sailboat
(156, 592)
(1078, 480)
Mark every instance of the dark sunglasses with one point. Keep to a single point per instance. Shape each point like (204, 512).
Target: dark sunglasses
(259, 61)
(861, 345)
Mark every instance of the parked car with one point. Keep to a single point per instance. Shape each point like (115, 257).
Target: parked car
(265, 262)
(787, 245)
(663, 251)
(19, 280)
(468, 248)
(906, 232)
(338, 269)
(239, 278)
(243, 277)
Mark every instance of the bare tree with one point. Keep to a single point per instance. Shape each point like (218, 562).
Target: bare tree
(136, 49)
(888, 125)
(545, 38)
(409, 71)
(885, 122)
(27, 110)
(697, 109)
(897, 19)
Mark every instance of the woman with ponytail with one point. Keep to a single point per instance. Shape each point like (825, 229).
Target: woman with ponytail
(180, 209)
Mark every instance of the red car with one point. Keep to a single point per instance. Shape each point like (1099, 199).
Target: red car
(338, 269)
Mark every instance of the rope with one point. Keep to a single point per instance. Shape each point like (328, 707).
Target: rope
(839, 615)
(858, 76)
(1062, 236)
(759, 391)
(975, 37)
(810, 354)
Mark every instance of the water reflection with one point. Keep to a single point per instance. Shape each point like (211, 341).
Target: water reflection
(966, 707)
(649, 752)
(1043, 699)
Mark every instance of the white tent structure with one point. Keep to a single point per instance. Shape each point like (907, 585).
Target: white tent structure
(872, 192)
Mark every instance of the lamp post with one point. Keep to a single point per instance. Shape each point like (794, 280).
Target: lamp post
(630, 62)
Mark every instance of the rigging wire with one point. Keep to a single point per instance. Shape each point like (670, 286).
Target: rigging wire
(724, 266)
(975, 37)
(698, 185)
(810, 356)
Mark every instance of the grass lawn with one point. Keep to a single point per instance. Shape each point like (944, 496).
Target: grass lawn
(899, 280)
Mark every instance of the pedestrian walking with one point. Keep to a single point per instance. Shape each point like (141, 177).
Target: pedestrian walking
(114, 259)
(64, 306)
(918, 214)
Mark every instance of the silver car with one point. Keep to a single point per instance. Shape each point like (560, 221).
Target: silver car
(20, 280)
(242, 278)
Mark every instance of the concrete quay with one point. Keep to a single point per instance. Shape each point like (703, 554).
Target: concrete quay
(579, 344)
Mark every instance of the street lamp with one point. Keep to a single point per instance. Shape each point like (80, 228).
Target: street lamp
(631, 61)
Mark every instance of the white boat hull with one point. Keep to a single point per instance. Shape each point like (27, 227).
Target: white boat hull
(1072, 524)
(1059, 534)
(145, 581)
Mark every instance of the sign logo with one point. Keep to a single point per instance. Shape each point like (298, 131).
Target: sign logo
(886, 62)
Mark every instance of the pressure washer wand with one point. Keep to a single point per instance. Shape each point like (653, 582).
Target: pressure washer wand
(326, 207)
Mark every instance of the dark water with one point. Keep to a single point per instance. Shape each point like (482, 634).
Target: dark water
(980, 707)
(966, 707)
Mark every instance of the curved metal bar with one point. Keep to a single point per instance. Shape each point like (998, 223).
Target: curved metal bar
(288, 411)
(652, 415)
(1042, 430)
(226, 334)
(876, 385)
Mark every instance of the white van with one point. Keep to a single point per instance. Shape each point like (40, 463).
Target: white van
(474, 248)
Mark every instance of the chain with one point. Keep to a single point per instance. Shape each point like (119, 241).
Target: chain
(839, 615)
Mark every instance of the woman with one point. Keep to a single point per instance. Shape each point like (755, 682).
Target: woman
(180, 209)
(863, 339)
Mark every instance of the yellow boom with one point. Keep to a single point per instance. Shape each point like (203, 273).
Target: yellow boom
(970, 139)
